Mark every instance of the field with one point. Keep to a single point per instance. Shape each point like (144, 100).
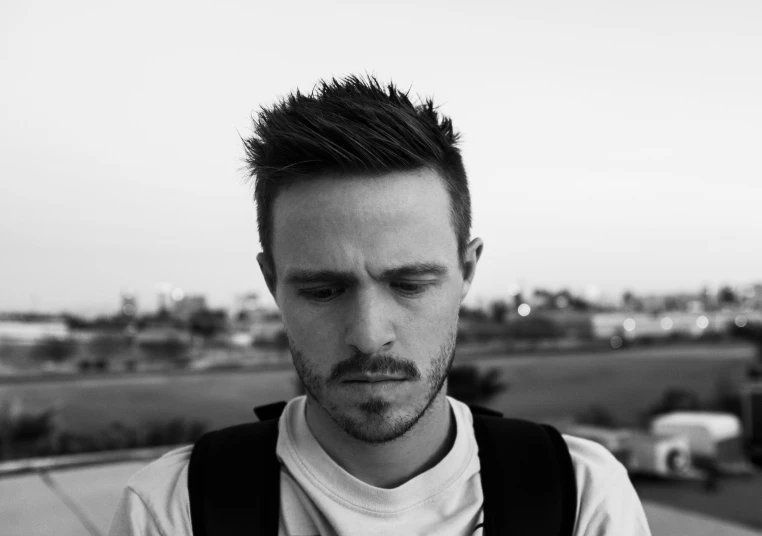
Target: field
(544, 387)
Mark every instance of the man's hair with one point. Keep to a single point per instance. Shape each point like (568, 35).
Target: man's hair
(353, 126)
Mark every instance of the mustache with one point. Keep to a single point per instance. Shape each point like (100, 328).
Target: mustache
(361, 363)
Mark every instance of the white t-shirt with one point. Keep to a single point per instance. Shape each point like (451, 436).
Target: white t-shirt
(318, 497)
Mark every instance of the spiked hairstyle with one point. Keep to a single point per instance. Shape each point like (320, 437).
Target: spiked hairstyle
(352, 126)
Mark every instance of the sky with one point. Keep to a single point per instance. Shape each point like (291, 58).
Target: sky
(609, 145)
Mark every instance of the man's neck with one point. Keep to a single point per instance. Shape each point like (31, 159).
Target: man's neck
(391, 464)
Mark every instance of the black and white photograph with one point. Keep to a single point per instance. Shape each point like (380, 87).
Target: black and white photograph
(342, 268)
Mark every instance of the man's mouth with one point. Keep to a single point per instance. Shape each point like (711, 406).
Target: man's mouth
(373, 378)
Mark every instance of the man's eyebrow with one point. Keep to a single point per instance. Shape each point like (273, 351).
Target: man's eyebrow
(416, 269)
(306, 275)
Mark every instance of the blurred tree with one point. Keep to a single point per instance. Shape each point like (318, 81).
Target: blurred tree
(597, 416)
(25, 433)
(632, 302)
(676, 399)
(105, 346)
(498, 311)
(208, 323)
(727, 296)
(728, 397)
(544, 298)
(281, 340)
(173, 432)
(472, 386)
(173, 350)
(751, 332)
(673, 304)
(54, 349)
(76, 322)
(534, 327)
(472, 313)
(579, 304)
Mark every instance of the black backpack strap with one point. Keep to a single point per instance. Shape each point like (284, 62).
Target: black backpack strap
(234, 480)
(527, 478)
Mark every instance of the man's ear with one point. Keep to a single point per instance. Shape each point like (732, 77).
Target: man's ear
(473, 253)
(268, 272)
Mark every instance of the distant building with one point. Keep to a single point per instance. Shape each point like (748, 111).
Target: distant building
(267, 327)
(32, 331)
(247, 305)
(753, 297)
(187, 306)
(254, 322)
(155, 334)
(164, 296)
(633, 326)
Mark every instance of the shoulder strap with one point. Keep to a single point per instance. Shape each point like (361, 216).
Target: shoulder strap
(527, 478)
(234, 479)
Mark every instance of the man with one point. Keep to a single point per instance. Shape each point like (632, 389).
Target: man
(364, 219)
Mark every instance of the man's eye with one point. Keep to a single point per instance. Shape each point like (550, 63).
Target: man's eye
(321, 294)
(410, 288)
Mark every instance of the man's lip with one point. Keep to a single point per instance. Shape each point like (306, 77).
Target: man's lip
(373, 378)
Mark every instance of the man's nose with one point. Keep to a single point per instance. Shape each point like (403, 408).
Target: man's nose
(369, 326)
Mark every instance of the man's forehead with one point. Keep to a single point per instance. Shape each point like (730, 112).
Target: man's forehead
(355, 193)
(405, 217)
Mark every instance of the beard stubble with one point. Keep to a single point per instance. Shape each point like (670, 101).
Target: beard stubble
(377, 424)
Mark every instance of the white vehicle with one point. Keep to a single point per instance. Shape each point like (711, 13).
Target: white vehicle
(660, 455)
(641, 452)
(713, 438)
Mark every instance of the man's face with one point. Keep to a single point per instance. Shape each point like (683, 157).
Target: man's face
(368, 280)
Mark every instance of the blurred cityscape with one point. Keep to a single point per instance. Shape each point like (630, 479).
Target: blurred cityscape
(181, 331)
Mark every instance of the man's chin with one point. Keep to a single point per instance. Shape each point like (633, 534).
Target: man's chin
(375, 407)
(375, 428)
(376, 420)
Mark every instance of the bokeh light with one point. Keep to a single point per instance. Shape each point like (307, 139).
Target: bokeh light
(629, 324)
(177, 294)
(524, 309)
(666, 323)
(702, 322)
(616, 341)
(741, 321)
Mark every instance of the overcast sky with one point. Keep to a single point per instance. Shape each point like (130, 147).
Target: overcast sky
(606, 145)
